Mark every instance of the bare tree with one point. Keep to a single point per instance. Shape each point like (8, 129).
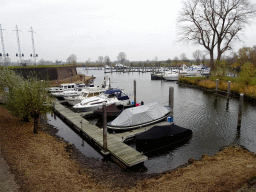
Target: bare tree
(175, 60)
(100, 58)
(183, 57)
(107, 60)
(197, 56)
(88, 61)
(214, 23)
(72, 59)
(169, 61)
(121, 57)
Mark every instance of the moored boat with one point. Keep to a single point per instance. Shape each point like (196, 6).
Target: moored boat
(116, 96)
(162, 136)
(136, 117)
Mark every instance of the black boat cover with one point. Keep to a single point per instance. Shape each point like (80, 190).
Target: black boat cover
(160, 132)
(160, 136)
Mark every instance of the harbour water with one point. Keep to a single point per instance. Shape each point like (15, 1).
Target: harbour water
(214, 125)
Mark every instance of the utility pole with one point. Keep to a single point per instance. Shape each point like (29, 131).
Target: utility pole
(18, 42)
(33, 46)
(2, 40)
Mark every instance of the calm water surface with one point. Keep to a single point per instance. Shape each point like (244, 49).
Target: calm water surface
(213, 123)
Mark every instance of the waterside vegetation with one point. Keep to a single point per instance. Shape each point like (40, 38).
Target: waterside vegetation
(245, 83)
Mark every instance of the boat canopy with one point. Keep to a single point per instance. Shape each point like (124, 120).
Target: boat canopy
(139, 115)
(118, 93)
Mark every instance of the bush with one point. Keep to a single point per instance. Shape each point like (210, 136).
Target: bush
(247, 74)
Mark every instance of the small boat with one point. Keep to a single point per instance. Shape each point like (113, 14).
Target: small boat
(156, 76)
(171, 76)
(137, 117)
(86, 93)
(63, 87)
(75, 92)
(162, 136)
(111, 110)
(111, 96)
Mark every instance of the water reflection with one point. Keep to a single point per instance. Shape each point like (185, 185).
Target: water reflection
(69, 135)
(213, 122)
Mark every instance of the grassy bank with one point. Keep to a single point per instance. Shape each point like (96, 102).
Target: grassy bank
(45, 163)
(237, 86)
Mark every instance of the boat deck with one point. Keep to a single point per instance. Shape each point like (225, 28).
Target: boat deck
(123, 154)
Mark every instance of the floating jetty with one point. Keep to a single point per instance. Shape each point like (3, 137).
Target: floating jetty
(120, 152)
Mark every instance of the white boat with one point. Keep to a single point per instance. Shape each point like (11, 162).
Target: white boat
(81, 88)
(86, 93)
(63, 87)
(62, 94)
(137, 117)
(109, 97)
(107, 67)
(171, 76)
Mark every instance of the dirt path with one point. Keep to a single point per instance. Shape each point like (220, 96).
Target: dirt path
(44, 162)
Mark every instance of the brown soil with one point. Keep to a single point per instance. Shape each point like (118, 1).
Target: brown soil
(43, 162)
(75, 79)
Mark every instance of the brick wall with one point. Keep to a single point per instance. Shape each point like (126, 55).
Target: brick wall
(50, 73)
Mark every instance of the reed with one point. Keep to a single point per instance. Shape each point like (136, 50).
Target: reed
(236, 86)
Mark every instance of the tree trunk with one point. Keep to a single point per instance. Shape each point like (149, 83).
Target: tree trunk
(36, 124)
(219, 53)
(211, 61)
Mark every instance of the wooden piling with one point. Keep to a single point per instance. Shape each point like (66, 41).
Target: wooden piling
(240, 110)
(104, 128)
(134, 92)
(171, 100)
(217, 86)
(228, 94)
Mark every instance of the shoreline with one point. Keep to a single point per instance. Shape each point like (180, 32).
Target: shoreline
(220, 92)
(46, 162)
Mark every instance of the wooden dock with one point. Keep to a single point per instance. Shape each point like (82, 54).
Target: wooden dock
(121, 153)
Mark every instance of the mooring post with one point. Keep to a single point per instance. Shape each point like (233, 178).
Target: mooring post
(84, 79)
(228, 94)
(240, 110)
(171, 100)
(217, 85)
(109, 84)
(134, 92)
(104, 128)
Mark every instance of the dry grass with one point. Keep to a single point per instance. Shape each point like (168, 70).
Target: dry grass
(226, 171)
(42, 163)
(236, 87)
(207, 84)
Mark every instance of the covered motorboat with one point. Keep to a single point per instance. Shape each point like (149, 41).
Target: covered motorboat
(136, 117)
(161, 136)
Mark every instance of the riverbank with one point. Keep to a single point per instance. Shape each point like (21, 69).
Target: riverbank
(236, 86)
(45, 162)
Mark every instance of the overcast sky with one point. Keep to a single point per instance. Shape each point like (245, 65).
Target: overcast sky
(93, 28)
